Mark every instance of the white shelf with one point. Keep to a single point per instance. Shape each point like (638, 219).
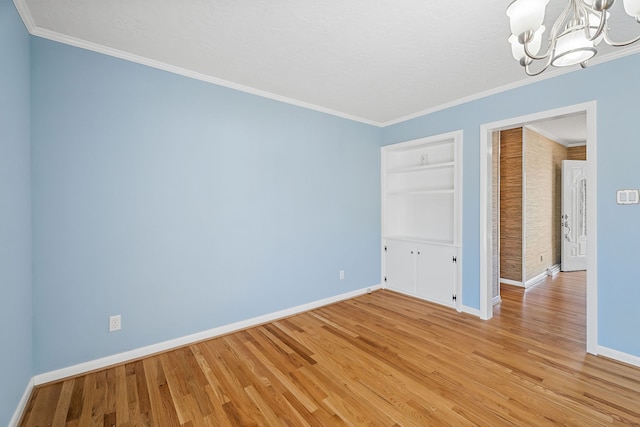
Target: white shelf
(421, 168)
(421, 192)
(419, 239)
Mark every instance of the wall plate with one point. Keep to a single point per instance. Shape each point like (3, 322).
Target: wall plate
(628, 197)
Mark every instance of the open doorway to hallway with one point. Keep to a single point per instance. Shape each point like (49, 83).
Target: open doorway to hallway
(529, 269)
(539, 217)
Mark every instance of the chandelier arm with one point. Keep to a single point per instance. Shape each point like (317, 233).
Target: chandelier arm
(529, 73)
(619, 44)
(537, 57)
(555, 30)
(561, 21)
(601, 26)
(599, 31)
(577, 15)
(533, 74)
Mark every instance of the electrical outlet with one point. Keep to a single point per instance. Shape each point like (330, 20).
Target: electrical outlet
(341, 274)
(115, 323)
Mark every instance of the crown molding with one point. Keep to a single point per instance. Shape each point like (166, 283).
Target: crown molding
(34, 30)
(515, 85)
(554, 138)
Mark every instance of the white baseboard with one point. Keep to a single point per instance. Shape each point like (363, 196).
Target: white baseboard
(470, 310)
(190, 339)
(512, 282)
(619, 356)
(535, 280)
(496, 300)
(553, 270)
(22, 405)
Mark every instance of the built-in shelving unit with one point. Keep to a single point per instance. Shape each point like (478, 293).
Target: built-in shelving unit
(421, 216)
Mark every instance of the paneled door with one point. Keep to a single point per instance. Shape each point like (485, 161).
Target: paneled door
(574, 215)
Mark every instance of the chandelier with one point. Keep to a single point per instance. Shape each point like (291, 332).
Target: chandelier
(581, 26)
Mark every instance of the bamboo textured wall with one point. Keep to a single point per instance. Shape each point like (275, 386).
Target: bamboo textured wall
(577, 153)
(511, 204)
(543, 188)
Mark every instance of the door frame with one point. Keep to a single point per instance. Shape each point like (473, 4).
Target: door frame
(486, 213)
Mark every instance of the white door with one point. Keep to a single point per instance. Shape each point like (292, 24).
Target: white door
(574, 215)
(400, 266)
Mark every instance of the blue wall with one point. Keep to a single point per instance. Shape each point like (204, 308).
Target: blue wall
(614, 86)
(184, 206)
(15, 212)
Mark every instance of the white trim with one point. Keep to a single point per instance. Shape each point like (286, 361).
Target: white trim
(470, 310)
(555, 138)
(190, 339)
(25, 14)
(618, 355)
(536, 279)
(497, 299)
(592, 220)
(458, 209)
(116, 53)
(499, 219)
(22, 404)
(523, 208)
(555, 72)
(486, 308)
(512, 282)
(553, 270)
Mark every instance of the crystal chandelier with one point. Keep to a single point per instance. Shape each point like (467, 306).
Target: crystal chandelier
(581, 26)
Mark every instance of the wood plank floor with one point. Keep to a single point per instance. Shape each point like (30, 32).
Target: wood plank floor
(380, 359)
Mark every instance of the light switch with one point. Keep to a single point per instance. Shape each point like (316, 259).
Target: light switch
(628, 197)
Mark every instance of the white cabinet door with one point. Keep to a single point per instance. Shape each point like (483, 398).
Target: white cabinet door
(421, 269)
(436, 274)
(400, 267)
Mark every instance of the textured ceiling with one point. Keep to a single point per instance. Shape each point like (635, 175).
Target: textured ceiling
(568, 130)
(377, 61)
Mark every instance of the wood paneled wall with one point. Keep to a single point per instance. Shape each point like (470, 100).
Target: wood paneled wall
(577, 153)
(543, 198)
(511, 204)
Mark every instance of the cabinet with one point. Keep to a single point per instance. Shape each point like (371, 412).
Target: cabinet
(421, 217)
(424, 270)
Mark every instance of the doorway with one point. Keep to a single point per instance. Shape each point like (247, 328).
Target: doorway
(487, 257)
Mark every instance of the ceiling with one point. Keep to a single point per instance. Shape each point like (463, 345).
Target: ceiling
(375, 61)
(570, 130)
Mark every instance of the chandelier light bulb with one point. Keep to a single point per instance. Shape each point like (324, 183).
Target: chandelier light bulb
(526, 15)
(572, 47)
(632, 7)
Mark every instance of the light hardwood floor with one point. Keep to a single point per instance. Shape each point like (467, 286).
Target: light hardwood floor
(379, 359)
